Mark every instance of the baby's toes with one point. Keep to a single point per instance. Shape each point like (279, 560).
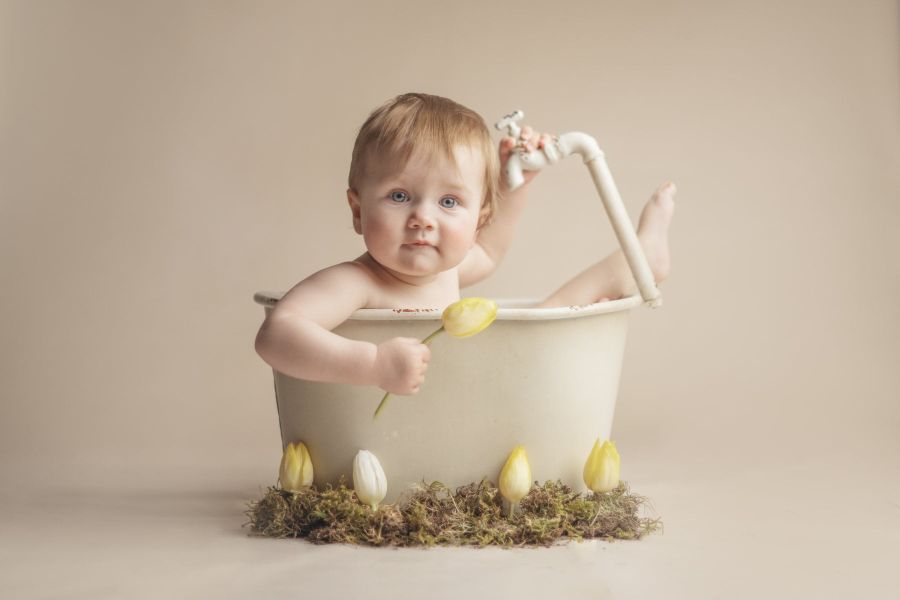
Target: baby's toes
(666, 193)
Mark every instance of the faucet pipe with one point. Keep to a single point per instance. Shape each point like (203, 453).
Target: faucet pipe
(586, 146)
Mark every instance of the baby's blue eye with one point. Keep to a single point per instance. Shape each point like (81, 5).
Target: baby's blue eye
(448, 202)
(399, 196)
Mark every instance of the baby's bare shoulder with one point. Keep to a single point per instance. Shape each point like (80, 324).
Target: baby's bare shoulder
(347, 278)
(329, 296)
(350, 271)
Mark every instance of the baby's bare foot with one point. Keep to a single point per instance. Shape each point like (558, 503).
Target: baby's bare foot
(610, 278)
(653, 230)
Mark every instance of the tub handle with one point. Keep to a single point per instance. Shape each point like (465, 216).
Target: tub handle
(586, 146)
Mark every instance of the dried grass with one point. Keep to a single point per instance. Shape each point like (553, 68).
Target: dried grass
(432, 514)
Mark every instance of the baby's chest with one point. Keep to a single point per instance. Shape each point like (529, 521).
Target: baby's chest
(432, 296)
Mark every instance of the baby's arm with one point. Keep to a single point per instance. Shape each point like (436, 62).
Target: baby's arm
(296, 339)
(494, 239)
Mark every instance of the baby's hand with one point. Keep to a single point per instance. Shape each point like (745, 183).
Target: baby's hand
(400, 365)
(531, 141)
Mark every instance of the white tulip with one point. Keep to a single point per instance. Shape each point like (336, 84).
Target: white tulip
(368, 479)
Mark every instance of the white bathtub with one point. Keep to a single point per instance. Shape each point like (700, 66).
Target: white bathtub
(544, 378)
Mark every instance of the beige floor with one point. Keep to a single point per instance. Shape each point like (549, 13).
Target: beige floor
(808, 528)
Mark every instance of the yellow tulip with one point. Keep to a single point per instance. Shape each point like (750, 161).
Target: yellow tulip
(515, 477)
(296, 471)
(468, 316)
(464, 318)
(601, 471)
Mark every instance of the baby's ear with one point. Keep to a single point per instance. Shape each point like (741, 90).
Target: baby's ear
(484, 218)
(353, 201)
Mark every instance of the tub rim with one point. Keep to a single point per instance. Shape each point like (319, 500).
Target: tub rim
(510, 309)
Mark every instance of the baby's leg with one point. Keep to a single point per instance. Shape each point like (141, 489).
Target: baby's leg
(611, 278)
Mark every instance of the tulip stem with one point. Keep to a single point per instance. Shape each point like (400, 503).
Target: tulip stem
(427, 340)
(508, 509)
(387, 395)
(381, 405)
(594, 520)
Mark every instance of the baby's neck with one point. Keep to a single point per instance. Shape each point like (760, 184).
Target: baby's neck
(403, 291)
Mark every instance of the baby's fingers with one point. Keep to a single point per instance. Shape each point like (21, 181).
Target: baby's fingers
(525, 137)
(417, 384)
(507, 145)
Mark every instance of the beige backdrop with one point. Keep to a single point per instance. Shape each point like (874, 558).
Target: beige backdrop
(160, 162)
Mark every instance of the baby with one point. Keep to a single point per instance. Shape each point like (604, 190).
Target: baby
(425, 194)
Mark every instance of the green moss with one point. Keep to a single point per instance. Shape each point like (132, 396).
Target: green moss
(432, 514)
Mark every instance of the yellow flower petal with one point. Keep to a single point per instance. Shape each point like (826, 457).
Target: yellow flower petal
(515, 477)
(289, 473)
(469, 316)
(306, 469)
(602, 469)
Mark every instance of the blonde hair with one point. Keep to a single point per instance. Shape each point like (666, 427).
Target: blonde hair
(430, 124)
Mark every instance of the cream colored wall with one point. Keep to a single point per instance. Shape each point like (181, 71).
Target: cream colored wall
(163, 161)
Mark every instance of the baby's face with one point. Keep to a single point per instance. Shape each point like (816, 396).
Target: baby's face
(422, 219)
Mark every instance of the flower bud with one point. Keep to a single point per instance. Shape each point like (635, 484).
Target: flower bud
(296, 469)
(601, 471)
(468, 316)
(368, 479)
(515, 477)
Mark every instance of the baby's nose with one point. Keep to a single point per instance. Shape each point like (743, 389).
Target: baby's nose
(421, 218)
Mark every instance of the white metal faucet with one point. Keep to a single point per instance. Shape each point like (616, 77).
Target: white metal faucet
(586, 146)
